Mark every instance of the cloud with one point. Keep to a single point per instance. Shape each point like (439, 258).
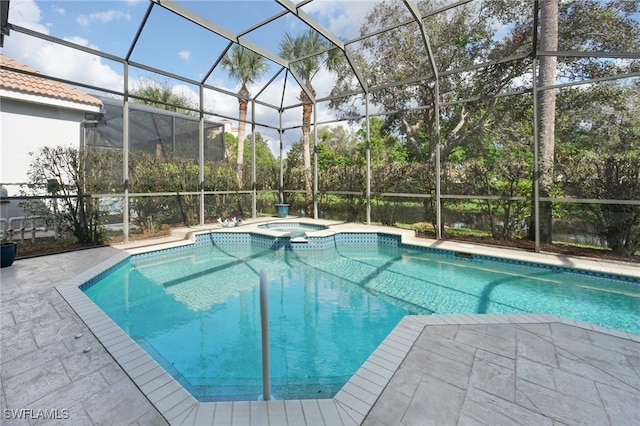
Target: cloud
(102, 17)
(343, 18)
(59, 10)
(52, 59)
(78, 66)
(27, 14)
(184, 54)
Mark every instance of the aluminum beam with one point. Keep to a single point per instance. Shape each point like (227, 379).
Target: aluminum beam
(217, 29)
(413, 8)
(304, 17)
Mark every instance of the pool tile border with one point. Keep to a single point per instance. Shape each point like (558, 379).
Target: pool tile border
(330, 238)
(350, 405)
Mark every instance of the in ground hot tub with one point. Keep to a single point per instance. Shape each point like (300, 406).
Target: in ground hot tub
(297, 229)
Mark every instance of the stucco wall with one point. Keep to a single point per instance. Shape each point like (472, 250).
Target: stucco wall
(27, 127)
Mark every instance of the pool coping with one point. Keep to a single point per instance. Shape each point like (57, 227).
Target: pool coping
(349, 406)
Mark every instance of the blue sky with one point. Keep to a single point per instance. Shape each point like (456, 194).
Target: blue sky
(170, 43)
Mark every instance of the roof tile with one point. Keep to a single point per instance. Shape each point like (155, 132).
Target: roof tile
(41, 86)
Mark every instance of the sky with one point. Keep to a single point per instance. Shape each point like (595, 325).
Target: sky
(174, 45)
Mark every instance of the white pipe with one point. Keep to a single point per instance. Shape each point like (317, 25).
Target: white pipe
(8, 227)
(264, 322)
(3, 228)
(21, 228)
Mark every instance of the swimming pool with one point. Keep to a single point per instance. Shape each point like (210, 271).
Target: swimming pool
(332, 301)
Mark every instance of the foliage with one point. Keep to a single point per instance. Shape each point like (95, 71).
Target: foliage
(601, 159)
(611, 177)
(308, 53)
(350, 181)
(384, 146)
(221, 176)
(339, 140)
(597, 26)
(162, 95)
(468, 43)
(461, 37)
(245, 66)
(390, 178)
(264, 156)
(62, 171)
(150, 174)
(230, 147)
(267, 167)
(506, 173)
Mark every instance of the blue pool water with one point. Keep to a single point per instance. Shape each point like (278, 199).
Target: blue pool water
(196, 311)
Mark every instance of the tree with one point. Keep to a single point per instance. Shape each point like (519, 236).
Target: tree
(230, 146)
(546, 114)
(264, 156)
(599, 158)
(342, 141)
(384, 146)
(583, 25)
(461, 37)
(293, 48)
(163, 96)
(63, 171)
(246, 67)
(336, 145)
(394, 65)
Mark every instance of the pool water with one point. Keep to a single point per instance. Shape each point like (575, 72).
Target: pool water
(196, 311)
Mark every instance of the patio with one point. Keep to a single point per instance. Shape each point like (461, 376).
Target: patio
(457, 369)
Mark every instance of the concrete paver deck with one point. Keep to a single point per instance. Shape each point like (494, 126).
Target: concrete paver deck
(457, 369)
(46, 369)
(537, 373)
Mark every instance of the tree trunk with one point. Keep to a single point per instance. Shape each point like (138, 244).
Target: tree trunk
(307, 110)
(242, 115)
(547, 111)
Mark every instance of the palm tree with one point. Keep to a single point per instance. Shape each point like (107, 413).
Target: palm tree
(292, 48)
(162, 95)
(547, 111)
(245, 66)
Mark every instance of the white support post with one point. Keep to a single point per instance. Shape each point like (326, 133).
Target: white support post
(125, 155)
(201, 159)
(315, 160)
(368, 158)
(264, 323)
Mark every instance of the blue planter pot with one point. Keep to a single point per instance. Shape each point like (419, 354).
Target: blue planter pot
(282, 210)
(9, 252)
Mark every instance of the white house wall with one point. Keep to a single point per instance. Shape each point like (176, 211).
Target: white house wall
(27, 127)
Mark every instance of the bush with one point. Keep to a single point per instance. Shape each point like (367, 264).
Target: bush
(63, 172)
(607, 177)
